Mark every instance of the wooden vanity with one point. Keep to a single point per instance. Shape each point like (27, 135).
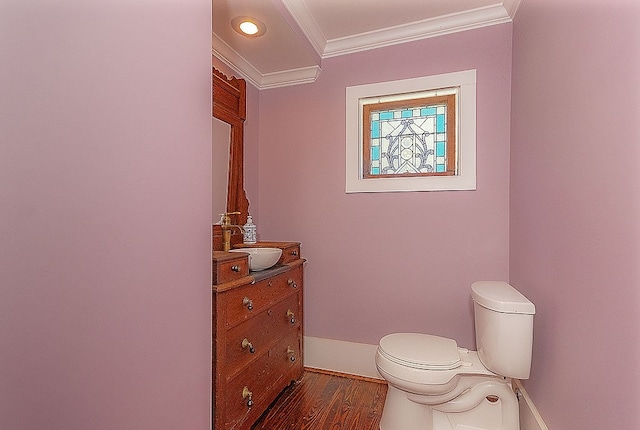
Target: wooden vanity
(257, 316)
(257, 333)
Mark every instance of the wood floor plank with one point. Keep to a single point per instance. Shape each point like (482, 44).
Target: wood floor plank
(323, 401)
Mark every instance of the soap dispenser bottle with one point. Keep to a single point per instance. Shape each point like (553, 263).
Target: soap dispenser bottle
(250, 232)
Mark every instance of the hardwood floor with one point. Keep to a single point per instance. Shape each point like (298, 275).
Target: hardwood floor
(323, 401)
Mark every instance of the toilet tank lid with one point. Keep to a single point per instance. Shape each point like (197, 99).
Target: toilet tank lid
(501, 297)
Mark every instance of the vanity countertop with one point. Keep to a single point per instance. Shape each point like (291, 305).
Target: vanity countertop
(230, 269)
(264, 274)
(267, 244)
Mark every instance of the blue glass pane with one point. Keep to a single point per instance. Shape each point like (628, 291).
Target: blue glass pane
(440, 122)
(428, 111)
(386, 115)
(440, 168)
(375, 170)
(407, 113)
(375, 129)
(440, 149)
(375, 152)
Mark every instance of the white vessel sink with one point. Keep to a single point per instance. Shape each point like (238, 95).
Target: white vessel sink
(261, 258)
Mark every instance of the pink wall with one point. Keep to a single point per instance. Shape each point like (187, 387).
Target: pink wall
(575, 206)
(386, 262)
(105, 208)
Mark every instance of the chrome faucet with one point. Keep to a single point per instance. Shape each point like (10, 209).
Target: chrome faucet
(226, 229)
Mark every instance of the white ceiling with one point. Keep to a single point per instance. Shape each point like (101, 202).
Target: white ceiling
(301, 33)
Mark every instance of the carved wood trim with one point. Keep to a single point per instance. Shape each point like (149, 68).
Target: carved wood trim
(229, 98)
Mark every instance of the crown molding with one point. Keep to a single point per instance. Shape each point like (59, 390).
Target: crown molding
(286, 9)
(304, 75)
(513, 8)
(239, 64)
(225, 53)
(446, 24)
(301, 16)
(300, 13)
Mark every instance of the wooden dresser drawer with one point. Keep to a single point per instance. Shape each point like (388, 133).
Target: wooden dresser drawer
(229, 266)
(269, 374)
(290, 253)
(248, 300)
(259, 332)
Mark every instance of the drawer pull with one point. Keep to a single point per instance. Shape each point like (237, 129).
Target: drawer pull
(235, 268)
(246, 343)
(291, 353)
(246, 394)
(291, 316)
(294, 253)
(292, 283)
(248, 303)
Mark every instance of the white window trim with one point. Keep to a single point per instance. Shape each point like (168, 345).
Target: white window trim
(466, 133)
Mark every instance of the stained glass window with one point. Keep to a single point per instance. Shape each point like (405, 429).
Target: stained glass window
(410, 137)
(396, 156)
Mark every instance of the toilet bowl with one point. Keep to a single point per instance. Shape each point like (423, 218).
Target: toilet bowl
(435, 385)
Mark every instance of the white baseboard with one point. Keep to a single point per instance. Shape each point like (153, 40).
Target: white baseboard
(340, 356)
(359, 359)
(530, 418)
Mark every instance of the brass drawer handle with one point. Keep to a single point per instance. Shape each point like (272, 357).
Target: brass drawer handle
(292, 283)
(291, 353)
(294, 253)
(248, 303)
(246, 394)
(246, 343)
(235, 268)
(291, 316)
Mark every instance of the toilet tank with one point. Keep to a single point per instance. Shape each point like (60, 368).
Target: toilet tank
(504, 328)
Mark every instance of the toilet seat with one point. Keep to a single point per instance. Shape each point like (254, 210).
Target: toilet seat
(421, 351)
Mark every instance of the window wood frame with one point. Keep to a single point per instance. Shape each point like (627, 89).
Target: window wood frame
(449, 100)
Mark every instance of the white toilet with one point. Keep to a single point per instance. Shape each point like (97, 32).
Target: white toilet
(434, 385)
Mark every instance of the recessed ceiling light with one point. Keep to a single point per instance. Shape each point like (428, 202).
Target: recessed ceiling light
(248, 26)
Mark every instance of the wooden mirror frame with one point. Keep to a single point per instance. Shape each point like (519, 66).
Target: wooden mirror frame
(230, 105)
